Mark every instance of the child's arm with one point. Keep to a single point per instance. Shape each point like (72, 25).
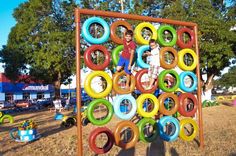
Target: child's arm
(148, 53)
(131, 58)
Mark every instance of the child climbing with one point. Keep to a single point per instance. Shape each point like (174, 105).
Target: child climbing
(127, 55)
(154, 62)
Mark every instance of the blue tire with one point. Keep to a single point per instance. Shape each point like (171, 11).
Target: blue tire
(161, 125)
(88, 37)
(140, 52)
(194, 80)
(118, 111)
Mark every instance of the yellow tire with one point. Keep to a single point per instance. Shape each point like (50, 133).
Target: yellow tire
(88, 87)
(185, 121)
(233, 97)
(138, 32)
(181, 63)
(180, 90)
(141, 99)
(219, 98)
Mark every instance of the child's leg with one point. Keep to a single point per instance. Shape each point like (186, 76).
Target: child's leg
(127, 80)
(154, 76)
(120, 64)
(128, 73)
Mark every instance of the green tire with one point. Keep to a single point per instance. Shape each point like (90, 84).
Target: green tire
(91, 108)
(161, 80)
(115, 54)
(141, 125)
(9, 117)
(161, 40)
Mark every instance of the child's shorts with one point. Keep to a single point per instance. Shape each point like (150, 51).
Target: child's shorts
(124, 63)
(153, 71)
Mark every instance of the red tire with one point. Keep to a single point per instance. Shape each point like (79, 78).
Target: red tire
(107, 146)
(180, 41)
(183, 105)
(88, 57)
(139, 85)
(114, 25)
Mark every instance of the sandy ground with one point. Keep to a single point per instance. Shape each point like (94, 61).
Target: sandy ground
(219, 133)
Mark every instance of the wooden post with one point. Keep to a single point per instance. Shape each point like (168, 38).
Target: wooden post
(78, 91)
(199, 91)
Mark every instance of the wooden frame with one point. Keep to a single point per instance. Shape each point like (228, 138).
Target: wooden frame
(79, 12)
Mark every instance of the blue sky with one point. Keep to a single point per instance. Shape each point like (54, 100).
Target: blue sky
(7, 21)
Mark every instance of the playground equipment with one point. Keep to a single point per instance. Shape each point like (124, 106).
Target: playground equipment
(4, 117)
(26, 132)
(165, 105)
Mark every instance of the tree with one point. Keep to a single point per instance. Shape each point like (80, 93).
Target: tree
(216, 41)
(228, 79)
(42, 42)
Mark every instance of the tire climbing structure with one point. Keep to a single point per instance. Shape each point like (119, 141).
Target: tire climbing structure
(165, 105)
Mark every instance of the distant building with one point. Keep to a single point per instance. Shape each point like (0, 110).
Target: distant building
(10, 91)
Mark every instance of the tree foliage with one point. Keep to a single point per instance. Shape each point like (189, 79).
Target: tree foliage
(228, 79)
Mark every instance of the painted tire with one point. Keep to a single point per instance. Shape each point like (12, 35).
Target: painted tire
(181, 63)
(88, 87)
(141, 126)
(163, 62)
(162, 79)
(161, 125)
(140, 52)
(117, 110)
(115, 54)
(115, 81)
(139, 86)
(180, 41)
(92, 105)
(138, 32)
(92, 138)
(182, 135)
(88, 37)
(140, 102)
(183, 104)
(182, 83)
(220, 98)
(161, 40)
(118, 130)
(6, 116)
(162, 98)
(114, 26)
(88, 57)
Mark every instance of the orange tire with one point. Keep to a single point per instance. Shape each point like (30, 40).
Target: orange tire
(135, 135)
(163, 62)
(114, 26)
(162, 99)
(115, 80)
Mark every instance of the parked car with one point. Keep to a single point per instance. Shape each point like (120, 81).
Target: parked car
(6, 104)
(23, 103)
(45, 102)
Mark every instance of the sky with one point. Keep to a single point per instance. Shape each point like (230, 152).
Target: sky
(7, 21)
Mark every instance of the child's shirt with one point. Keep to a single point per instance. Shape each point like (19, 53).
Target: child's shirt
(155, 58)
(127, 48)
